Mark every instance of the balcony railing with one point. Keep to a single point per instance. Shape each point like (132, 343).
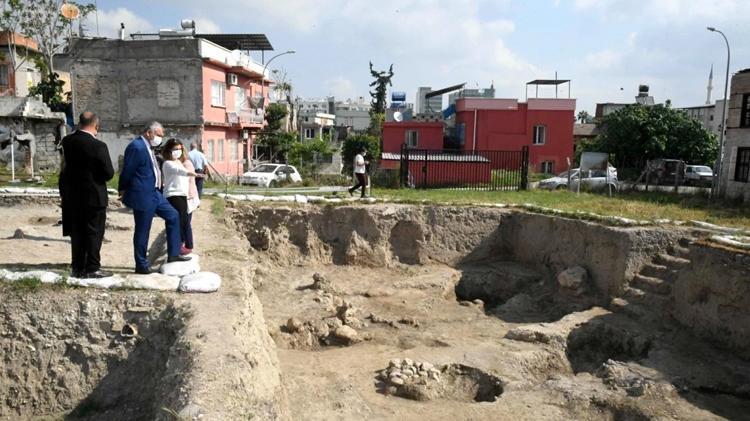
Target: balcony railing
(246, 117)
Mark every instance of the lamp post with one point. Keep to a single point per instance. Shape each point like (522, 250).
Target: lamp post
(717, 173)
(263, 78)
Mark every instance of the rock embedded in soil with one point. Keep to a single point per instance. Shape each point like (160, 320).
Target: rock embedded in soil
(294, 325)
(346, 334)
(574, 279)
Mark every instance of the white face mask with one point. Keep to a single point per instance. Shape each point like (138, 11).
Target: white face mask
(156, 141)
(176, 154)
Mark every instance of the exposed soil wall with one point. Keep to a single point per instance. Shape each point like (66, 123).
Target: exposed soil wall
(712, 297)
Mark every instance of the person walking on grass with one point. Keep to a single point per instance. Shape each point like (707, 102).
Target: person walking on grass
(178, 173)
(360, 173)
(139, 186)
(86, 168)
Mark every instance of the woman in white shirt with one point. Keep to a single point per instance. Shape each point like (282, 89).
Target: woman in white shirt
(177, 188)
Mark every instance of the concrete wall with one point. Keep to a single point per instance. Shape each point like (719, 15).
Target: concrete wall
(128, 83)
(394, 135)
(31, 122)
(736, 137)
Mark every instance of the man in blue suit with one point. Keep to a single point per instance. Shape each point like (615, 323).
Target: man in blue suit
(140, 181)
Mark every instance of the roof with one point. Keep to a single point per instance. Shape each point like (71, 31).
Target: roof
(444, 90)
(244, 42)
(548, 81)
(443, 157)
(586, 129)
(19, 40)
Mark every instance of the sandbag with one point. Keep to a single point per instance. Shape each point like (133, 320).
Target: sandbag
(200, 282)
(155, 281)
(180, 269)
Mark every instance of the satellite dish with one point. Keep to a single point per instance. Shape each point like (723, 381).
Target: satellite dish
(398, 116)
(70, 11)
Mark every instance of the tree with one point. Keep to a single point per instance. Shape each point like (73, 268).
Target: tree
(274, 114)
(377, 108)
(305, 155)
(50, 89)
(11, 20)
(638, 133)
(283, 87)
(584, 117)
(354, 145)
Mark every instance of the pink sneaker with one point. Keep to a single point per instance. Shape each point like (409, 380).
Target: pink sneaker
(185, 251)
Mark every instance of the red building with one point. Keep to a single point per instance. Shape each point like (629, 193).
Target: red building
(415, 134)
(544, 125)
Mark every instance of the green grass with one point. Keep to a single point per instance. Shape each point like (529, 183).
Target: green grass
(635, 205)
(218, 207)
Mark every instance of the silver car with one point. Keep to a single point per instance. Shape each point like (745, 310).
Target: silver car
(698, 175)
(592, 180)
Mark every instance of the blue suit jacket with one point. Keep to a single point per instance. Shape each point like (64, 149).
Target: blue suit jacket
(137, 178)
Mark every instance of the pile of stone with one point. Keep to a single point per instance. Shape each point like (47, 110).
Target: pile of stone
(401, 372)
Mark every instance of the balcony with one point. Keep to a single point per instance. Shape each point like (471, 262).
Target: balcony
(246, 118)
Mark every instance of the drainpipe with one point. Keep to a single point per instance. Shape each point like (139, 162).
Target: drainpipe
(474, 132)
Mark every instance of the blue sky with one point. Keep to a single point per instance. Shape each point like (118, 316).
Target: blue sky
(601, 45)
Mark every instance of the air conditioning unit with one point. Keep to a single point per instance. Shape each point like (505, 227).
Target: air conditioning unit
(245, 134)
(232, 79)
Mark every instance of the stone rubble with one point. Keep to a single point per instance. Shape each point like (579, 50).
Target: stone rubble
(403, 372)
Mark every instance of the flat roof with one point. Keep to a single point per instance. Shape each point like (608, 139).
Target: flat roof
(245, 42)
(548, 81)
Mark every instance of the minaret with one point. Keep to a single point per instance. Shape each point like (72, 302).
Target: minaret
(710, 85)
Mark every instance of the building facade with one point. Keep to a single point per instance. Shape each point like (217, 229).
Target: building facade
(544, 125)
(424, 105)
(199, 90)
(17, 80)
(735, 173)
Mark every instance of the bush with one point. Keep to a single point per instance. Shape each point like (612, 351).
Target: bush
(389, 179)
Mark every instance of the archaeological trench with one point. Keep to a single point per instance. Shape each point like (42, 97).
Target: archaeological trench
(403, 312)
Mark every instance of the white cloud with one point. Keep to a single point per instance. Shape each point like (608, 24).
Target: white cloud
(109, 22)
(206, 26)
(667, 11)
(604, 59)
(340, 87)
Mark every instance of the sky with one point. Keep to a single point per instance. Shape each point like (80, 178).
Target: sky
(605, 47)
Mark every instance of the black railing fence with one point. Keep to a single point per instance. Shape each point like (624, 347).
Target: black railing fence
(471, 170)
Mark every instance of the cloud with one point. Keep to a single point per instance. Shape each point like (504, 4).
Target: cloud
(666, 11)
(109, 22)
(340, 87)
(205, 25)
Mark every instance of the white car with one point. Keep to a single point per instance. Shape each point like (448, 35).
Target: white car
(592, 180)
(267, 175)
(698, 174)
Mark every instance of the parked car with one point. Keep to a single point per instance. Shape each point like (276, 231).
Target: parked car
(592, 180)
(267, 175)
(698, 175)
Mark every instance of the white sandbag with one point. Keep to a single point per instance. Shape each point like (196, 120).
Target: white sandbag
(255, 198)
(42, 276)
(110, 282)
(155, 281)
(180, 268)
(15, 190)
(200, 282)
(299, 198)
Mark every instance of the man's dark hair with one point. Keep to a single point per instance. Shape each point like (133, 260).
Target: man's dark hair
(87, 118)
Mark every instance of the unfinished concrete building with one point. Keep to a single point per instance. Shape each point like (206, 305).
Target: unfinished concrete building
(735, 174)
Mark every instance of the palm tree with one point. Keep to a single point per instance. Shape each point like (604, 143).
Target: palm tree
(583, 116)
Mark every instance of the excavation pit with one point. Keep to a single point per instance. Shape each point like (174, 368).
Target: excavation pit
(447, 285)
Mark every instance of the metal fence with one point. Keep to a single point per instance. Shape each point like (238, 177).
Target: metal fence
(458, 169)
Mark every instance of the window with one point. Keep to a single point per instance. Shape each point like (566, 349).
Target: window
(540, 135)
(4, 76)
(742, 167)
(221, 150)
(234, 145)
(239, 99)
(412, 138)
(548, 167)
(461, 133)
(745, 111)
(211, 152)
(309, 133)
(218, 93)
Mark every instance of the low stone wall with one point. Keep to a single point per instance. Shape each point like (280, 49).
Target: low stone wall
(712, 296)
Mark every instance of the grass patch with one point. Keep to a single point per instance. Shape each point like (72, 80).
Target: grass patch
(635, 205)
(218, 207)
(25, 284)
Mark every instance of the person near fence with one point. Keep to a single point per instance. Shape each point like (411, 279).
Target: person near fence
(139, 185)
(200, 163)
(178, 172)
(360, 173)
(86, 168)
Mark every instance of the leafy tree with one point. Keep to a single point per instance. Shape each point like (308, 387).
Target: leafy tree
(50, 89)
(377, 109)
(354, 144)
(637, 133)
(274, 114)
(583, 116)
(279, 143)
(303, 154)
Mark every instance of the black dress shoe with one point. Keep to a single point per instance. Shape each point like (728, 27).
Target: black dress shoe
(98, 274)
(144, 271)
(78, 274)
(171, 259)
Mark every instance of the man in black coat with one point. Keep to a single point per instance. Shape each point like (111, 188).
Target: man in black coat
(86, 168)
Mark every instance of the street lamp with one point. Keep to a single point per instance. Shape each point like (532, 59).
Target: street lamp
(717, 172)
(263, 77)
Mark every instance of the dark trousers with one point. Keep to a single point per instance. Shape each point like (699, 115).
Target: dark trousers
(179, 203)
(361, 182)
(86, 235)
(199, 182)
(188, 232)
(143, 220)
